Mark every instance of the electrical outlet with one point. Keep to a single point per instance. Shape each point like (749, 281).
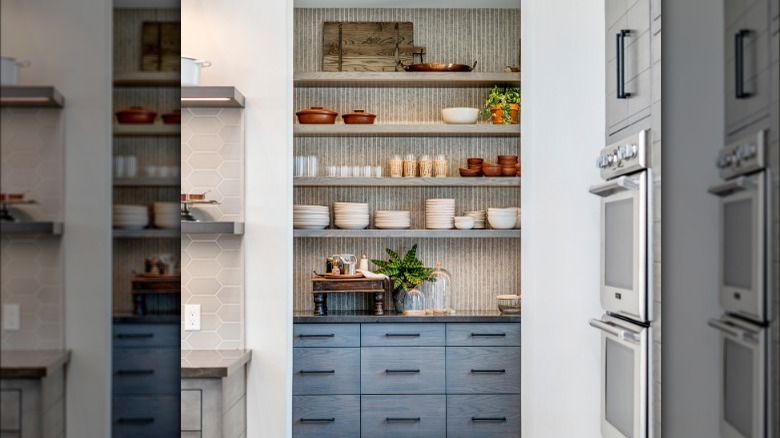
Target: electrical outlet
(191, 317)
(10, 317)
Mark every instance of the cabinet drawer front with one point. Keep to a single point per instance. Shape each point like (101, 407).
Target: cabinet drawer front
(145, 416)
(412, 370)
(326, 335)
(146, 371)
(484, 416)
(325, 416)
(10, 409)
(326, 371)
(483, 335)
(146, 335)
(395, 416)
(191, 410)
(402, 335)
(483, 370)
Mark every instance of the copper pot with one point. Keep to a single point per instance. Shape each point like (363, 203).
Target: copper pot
(438, 67)
(172, 118)
(359, 116)
(316, 114)
(136, 114)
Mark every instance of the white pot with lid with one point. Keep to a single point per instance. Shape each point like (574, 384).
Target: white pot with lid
(9, 70)
(190, 70)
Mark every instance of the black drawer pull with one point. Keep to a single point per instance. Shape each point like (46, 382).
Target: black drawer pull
(402, 335)
(488, 371)
(739, 63)
(319, 372)
(317, 420)
(402, 371)
(621, 64)
(489, 335)
(136, 420)
(135, 372)
(329, 335)
(402, 419)
(135, 335)
(489, 419)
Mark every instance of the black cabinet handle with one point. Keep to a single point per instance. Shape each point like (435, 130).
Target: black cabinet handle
(488, 371)
(319, 372)
(621, 63)
(402, 419)
(489, 419)
(739, 64)
(135, 420)
(488, 335)
(329, 335)
(402, 335)
(402, 371)
(317, 420)
(135, 372)
(135, 335)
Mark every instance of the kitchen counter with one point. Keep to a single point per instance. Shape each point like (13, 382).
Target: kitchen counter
(204, 364)
(27, 364)
(131, 318)
(344, 316)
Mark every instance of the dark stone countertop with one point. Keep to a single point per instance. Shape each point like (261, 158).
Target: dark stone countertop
(206, 364)
(131, 318)
(345, 316)
(31, 364)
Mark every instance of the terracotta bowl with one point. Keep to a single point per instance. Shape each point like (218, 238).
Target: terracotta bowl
(316, 115)
(136, 114)
(474, 160)
(172, 118)
(469, 172)
(509, 171)
(507, 158)
(360, 117)
(491, 170)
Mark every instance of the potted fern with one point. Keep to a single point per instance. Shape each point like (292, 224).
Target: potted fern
(405, 273)
(503, 105)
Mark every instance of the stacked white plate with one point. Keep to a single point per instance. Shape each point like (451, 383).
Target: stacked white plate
(389, 219)
(351, 215)
(479, 218)
(439, 214)
(130, 217)
(167, 214)
(311, 217)
(517, 225)
(502, 218)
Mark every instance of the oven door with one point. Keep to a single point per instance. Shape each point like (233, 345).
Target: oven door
(625, 377)
(744, 380)
(743, 240)
(624, 248)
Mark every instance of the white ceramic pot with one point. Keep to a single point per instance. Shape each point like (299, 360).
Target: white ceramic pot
(190, 70)
(9, 70)
(460, 116)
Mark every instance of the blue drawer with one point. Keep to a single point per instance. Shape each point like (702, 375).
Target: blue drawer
(326, 416)
(395, 416)
(326, 335)
(483, 370)
(483, 334)
(146, 335)
(145, 416)
(146, 371)
(326, 371)
(402, 335)
(483, 416)
(412, 370)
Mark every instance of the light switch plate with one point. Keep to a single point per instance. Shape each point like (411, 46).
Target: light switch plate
(191, 317)
(11, 317)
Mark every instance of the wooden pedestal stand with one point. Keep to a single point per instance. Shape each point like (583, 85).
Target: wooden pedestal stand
(322, 286)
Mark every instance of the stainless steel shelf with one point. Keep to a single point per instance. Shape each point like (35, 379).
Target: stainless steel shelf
(146, 181)
(211, 97)
(212, 228)
(148, 233)
(437, 234)
(22, 96)
(405, 79)
(147, 79)
(51, 228)
(510, 181)
(146, 129)
(414, 130)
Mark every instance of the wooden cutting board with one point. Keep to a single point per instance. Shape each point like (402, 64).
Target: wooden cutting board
(366, 46)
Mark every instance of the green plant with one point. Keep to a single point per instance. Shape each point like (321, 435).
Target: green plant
(405, 273)
(502, 98)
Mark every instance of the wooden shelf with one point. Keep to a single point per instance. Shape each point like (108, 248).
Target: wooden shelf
(146, 181)
(405, 79)
(148, 233)
(211, 97)
(50, 228)
(434, 234)
(20, 96)
(412, 130)
(212, 228)
(147, 79)
(406, 182)
(146, 129)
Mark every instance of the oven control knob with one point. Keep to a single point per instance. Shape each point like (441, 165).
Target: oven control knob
(753, 150)
(634, 150)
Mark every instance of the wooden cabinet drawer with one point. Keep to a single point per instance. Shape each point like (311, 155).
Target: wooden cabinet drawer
(326, 371)
(147, 371)
(484, 416)
(145, 416)
(326, 416)
(326, 335)
(146, 335)
(483, 335)
(483, 370)
(412, 370)
(396, 416)
(402, 335)
(10, 410)
(191, 410)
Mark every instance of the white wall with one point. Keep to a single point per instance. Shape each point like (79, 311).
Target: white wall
(250, 45)
(562, 131)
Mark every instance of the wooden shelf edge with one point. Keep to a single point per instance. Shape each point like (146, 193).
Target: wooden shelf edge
(435, 234)
(406, 130)
(509, 181)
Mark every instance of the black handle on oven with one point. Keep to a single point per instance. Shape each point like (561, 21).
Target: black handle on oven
(621, 63)
(739, 64)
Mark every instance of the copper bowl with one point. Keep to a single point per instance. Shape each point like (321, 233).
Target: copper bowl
(509, 171)
(475, 160)
(136, 114)
(316, 115)
(172, 118)
(507, 158)
(469, 172)
(359, 117)
(491, 170)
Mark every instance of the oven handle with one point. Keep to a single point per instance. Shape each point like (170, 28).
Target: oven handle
(611, 328)
(731, 329)
(736, 185)
(613, 186)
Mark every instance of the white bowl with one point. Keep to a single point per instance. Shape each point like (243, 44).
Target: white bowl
(460, 116)
(501, 222)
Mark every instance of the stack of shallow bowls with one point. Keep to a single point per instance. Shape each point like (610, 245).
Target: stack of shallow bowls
(479, 218)
(388, 219)
(502, 218)
(464, 222)
(508, 164)
(439, 214)
(351, 215)
(130, 217)
(167, 214)
(311, 217)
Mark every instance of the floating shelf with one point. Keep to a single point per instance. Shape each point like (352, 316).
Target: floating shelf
(51, 228)
(212, 227)
(146, 181)
(405, 79)
(148, 233)
(211, 97)
(147, 79)
(416, 130)
(19, 96)
(406, 182)
(146, 129)
(450, 234)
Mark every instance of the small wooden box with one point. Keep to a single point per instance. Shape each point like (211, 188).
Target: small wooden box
(166, 287)
(322, 286)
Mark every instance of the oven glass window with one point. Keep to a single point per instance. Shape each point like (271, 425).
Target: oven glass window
(619, 243)
(737, 243)
(738, 391)
(619, 381)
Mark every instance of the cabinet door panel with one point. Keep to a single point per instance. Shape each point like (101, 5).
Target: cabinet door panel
(484, 416)
(398, 416)
(146, 371)
(408, 370)
(145, 416)
(402, 335)
(483, 335)
(326, 416)
(483, 370)
(326, 335)
(326, 371)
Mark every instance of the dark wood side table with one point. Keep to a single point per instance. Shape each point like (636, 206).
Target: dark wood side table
(322, 286)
